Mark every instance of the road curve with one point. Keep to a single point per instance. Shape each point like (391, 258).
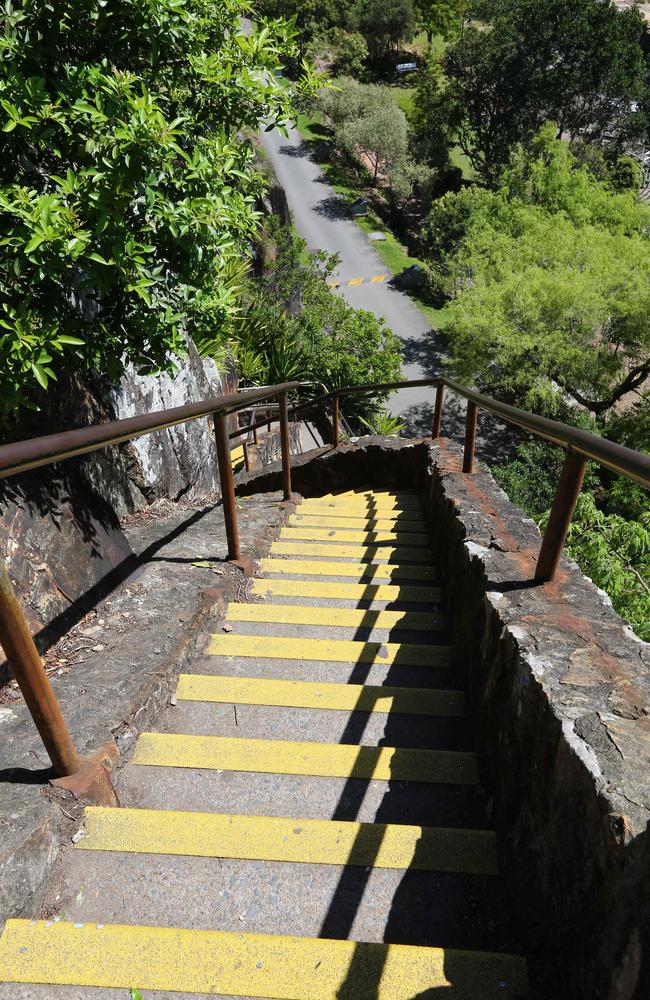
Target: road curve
(320, 221)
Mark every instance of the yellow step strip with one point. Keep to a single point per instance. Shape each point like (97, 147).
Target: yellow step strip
(301, 614)
(330, 650)
(298, 841)
(361, 505)
(373, 494)
(362, 553)
(254, 965)
(345, 591)
(385, 522)
(360, 571)
(361, 537)
(329, 696)
(327, 760)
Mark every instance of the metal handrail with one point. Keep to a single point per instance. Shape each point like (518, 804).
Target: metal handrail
(89, 778)
(35, 452)
(15, 636)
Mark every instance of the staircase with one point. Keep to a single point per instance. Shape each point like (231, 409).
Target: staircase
(329, 698)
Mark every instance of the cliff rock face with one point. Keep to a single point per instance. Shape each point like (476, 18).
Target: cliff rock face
(60, 528)
(182, 460)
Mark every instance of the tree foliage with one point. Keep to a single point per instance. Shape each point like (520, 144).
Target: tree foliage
(370, 127)
(578, 63)
(550, 279)
(126, 189)
(441, 17)
(384, 24)
(294, 327)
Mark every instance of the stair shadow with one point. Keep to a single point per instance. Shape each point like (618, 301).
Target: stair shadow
(409, 920)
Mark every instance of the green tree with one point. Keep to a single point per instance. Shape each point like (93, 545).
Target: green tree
(127, 192)
(440, 17)
(430, 116)
(350, 51)
(549, 275)
(372, 129)
(295, 327)
(379, 138)
(578, 63)
(385, 24)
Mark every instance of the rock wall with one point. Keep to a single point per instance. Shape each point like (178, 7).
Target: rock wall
(60, 526)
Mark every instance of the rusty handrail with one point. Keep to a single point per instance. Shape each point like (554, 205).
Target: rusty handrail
(89, 778)
(35, 452)
(581, 447)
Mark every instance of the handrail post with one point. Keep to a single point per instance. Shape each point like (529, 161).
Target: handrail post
(285, 444)
(470, 436)
(227, 484)
(27, 667)
(437, 415)
(335, 420)
(564, 504)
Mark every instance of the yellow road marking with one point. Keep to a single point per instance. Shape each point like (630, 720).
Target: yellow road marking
(377, 278)
(387, 521)
(327, 760)
(330, 650)
(290, 614)
(299, 841)
(362, 553)
(361, 571)
(345, 591)
(330, 696)
(255, 965)
(355, 281)
(364, 537)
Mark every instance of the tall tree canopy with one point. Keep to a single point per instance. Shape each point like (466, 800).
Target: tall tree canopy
(578, 63)
(126, 189)
(551, 281)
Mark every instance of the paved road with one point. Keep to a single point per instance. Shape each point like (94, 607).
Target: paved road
(320, 221)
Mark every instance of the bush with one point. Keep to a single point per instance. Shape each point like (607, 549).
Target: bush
(294, 327)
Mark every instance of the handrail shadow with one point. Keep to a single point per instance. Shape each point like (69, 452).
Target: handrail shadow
(367, 966)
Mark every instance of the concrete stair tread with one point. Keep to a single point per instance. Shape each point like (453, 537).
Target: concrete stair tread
(336, 536)
(344, 617)
(367, 553)
(310, 796)
(354, 728)
(289, 839)
(354, 595)
(232, 963)
(305, 757)
(358, 572)
(333, 650)
(377, 673)
(386, 521)
(329, 696)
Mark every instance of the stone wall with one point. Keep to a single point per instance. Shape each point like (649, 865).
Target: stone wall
(60, 526)
(559, 688)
